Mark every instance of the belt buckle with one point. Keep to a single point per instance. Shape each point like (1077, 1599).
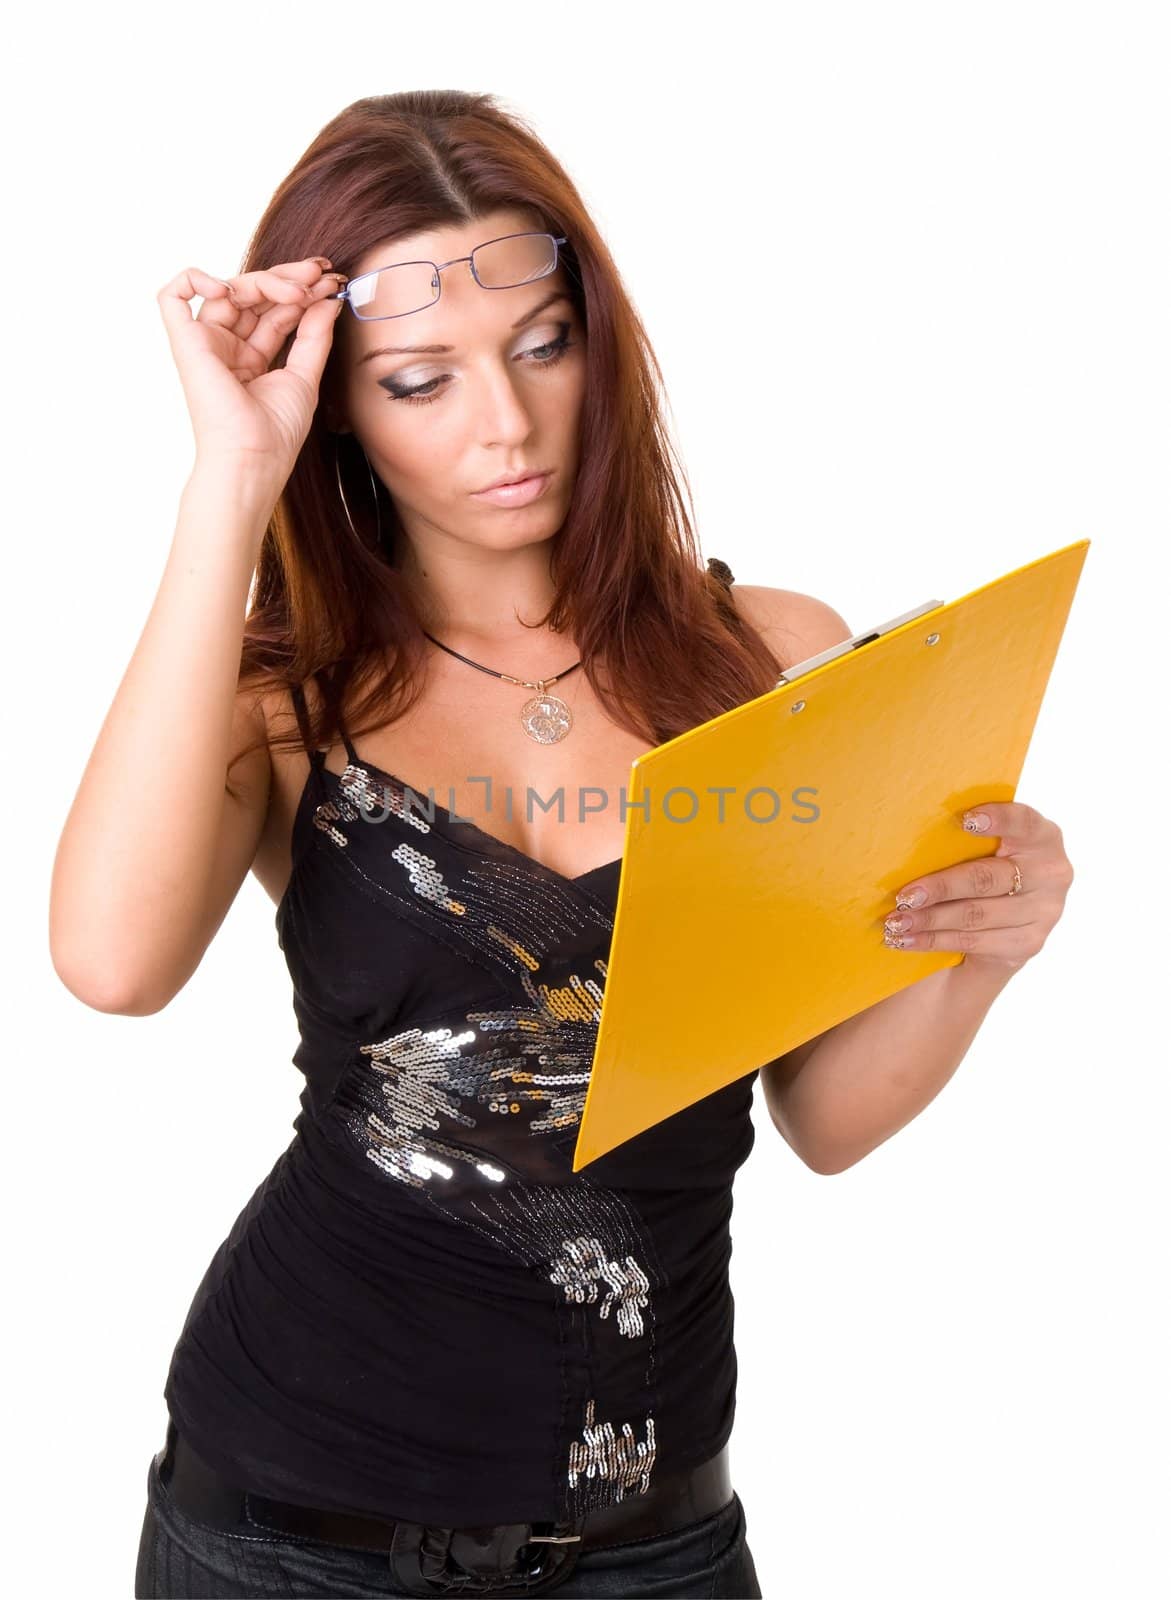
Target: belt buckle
(428, 1560)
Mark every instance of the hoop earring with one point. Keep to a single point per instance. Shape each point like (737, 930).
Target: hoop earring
(377, 545)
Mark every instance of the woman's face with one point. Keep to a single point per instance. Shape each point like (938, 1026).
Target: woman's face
(501, 400)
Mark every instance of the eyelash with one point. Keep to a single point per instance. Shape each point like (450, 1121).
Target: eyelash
(559, 346)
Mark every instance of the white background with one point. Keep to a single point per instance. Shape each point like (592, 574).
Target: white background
(940, 351)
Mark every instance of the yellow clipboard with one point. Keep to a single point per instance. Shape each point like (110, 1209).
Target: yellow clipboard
(736, 940)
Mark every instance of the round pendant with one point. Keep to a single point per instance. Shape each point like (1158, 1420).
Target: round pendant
(546, 718)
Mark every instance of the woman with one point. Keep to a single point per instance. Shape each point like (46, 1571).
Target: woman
(429, 1358)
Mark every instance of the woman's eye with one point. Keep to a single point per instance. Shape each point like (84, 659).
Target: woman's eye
(538, 355)
(418, 395)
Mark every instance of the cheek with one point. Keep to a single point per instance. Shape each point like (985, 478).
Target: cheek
(412, 456)
(417, 465)
(571, 396)
(564, 422)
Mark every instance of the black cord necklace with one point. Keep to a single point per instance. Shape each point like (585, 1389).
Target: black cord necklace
(546, 717)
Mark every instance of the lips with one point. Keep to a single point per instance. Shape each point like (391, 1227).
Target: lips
(504, 483)
(517, 493)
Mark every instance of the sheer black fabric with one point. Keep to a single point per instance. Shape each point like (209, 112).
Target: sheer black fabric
(422, 1311)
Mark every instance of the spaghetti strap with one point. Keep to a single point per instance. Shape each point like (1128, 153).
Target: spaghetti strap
(326, 685)
(327, 681)
(298, 695)
(316, 757)
(352, 755)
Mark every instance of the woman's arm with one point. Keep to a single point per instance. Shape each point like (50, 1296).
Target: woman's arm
(839, 1095)
(153, 850)
(866, 1078)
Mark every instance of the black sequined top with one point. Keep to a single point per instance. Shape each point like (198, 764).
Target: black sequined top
(422, 1311)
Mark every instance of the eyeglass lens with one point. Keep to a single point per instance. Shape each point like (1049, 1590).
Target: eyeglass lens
(414, 285)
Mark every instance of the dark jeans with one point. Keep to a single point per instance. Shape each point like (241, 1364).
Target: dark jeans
(180, 1557)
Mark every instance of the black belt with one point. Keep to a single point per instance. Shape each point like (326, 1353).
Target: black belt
(520, 1558)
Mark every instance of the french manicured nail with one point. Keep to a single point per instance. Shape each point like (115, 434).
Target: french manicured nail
(897, 924)
(976, 822)
(908, 899)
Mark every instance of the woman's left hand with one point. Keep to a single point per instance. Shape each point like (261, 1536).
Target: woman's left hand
(998, 910)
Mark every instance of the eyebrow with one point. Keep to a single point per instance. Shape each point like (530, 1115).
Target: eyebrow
(446, 349)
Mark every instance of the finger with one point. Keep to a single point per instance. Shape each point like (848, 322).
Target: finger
(1021, 826)
(984, 878)
(224, 312)
(283, 284)
(1010, 946)
(301, 282)
(175, 298)
(956, 916)
(257, 291)
(310, 349)
(306, 270)
(266, 333)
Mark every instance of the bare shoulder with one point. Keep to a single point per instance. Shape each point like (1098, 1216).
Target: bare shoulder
(274, 713)
(249, 766)
(794, 625)
(276, 719)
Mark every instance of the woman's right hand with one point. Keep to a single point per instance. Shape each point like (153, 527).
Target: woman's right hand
(241, 412)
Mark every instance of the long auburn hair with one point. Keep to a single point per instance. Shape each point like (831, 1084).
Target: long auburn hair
(329, 605)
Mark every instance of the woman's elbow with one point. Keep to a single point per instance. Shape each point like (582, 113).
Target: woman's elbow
(106, 986)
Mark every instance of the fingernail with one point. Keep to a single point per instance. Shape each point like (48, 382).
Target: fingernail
(908, 899)
(976, 823)
(897, 924)
(323, 261)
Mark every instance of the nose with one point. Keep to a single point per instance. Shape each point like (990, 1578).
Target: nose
(504, 418)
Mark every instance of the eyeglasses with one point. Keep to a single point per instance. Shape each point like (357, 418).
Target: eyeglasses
(409, 286)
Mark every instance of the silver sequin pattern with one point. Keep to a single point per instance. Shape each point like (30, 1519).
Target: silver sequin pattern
(587, 1274)
(606, 1461)
(509, 1079)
